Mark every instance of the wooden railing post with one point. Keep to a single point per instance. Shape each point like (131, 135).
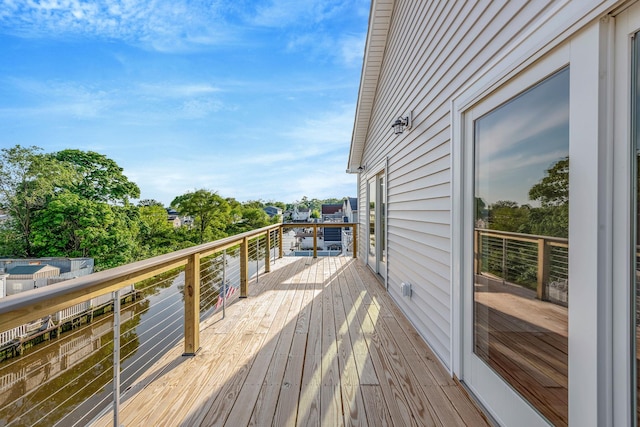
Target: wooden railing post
(477, 252)
(315, 240)
(355, 240)
(280, 243)
(543, 269)
(267, 254)
(244, 268)
(192, 306)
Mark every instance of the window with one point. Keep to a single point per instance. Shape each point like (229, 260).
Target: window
(521, 218)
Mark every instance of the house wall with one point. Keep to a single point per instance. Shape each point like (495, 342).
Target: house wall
(433, 51)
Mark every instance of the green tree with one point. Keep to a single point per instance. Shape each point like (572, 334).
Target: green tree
(28, 179)
(251, 218)
(73, 226)
(98, 177)
(552, 218)
(506, 215)
(157, 235)
(211, 213)
(315, 213)
(553, 189)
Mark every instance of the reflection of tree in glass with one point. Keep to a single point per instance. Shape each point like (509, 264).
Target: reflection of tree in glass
(553, 189)
(506, 215)
(550, 219)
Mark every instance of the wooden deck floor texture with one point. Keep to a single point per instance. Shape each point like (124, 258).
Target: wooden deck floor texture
(318, 342)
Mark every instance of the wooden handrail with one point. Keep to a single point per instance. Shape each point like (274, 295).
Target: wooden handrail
(557, 241)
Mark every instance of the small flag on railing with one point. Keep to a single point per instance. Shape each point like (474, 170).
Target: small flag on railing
(229, 291)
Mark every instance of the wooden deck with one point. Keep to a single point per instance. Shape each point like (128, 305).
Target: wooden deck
(318, 342)
(525, 341)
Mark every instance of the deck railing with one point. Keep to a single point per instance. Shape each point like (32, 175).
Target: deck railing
(259, 245)
(540, 263)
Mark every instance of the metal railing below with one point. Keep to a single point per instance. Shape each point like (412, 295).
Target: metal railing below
(537, 262)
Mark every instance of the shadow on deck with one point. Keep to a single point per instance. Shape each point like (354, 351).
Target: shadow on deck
(318, 342)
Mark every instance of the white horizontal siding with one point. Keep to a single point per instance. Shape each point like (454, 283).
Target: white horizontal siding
(432, 50)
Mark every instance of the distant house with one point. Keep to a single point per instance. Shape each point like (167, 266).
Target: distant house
(304, 239)
(332, 236)
(350, 209)
(272, 211)
(31, 273)
(301, 214)
(26, 277)
(178, 220)
(174, 218)
(332, 212)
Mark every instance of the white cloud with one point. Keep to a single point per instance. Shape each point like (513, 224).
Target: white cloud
(352, 49)
(279, 13)
(518, 162)
(325, 132)
(170, 90)
(523, 126)
(345, 50)
(199, 108)
(165, 25)
(133, 104)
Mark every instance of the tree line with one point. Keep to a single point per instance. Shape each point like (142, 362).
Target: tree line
(551, 218)
(75, 203)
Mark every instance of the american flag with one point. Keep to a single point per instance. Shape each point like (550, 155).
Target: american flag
(229, 290)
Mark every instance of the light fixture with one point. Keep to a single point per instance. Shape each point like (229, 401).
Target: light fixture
(360, 169)
(401, 123)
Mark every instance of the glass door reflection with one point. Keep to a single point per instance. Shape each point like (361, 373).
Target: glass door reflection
(521, 282)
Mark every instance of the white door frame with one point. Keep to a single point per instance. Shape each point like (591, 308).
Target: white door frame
(372, 174)
(590, 264)
(627, 24)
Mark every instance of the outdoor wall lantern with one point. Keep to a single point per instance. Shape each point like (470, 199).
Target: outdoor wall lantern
(401, 123)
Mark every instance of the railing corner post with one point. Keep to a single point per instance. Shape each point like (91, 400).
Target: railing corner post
(192, 306)
(280, 243)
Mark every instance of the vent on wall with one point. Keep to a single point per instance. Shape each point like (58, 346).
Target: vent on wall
(406, 289)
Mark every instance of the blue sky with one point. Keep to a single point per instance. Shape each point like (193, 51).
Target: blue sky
(252, 99)
(517, 142)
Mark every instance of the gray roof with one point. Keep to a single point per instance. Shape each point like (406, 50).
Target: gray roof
(26, 269)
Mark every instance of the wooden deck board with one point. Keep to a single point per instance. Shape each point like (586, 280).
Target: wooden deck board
(318, 342)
